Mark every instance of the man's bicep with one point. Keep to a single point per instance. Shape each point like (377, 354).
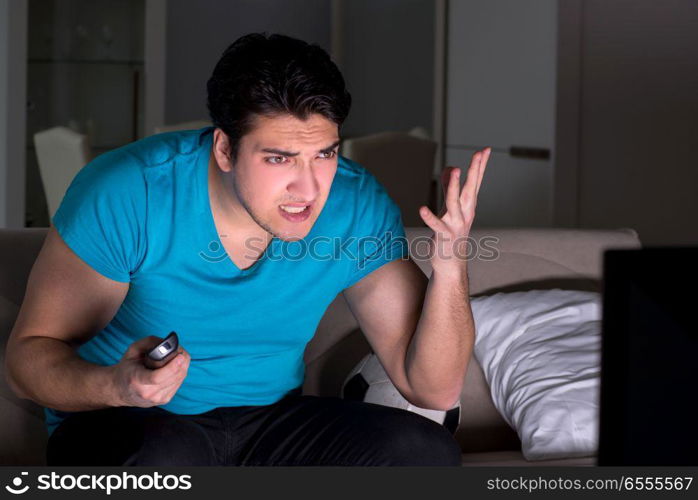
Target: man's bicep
(65, 298)
(387, 304)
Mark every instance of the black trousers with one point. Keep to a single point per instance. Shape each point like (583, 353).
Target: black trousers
(298, 430)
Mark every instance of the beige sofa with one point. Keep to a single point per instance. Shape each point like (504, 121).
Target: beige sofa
(526, 259)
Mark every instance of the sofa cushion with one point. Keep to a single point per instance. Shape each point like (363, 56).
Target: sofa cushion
(22, 432)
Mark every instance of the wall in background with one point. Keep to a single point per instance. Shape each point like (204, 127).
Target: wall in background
(638, 127)
(13, 67)
(387, 59)
(198, 33)
(386, 53)
(634, 128)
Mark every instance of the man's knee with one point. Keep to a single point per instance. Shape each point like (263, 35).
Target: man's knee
(411, 439)
(174, 441)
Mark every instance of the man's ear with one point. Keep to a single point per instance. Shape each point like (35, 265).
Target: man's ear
(222, 150)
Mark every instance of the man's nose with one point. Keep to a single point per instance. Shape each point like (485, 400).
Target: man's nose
(304, 186)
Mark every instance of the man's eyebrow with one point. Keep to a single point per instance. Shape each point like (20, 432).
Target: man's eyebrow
(289, 153)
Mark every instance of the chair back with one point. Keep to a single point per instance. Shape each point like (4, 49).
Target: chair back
(61, 153)
(403, 163)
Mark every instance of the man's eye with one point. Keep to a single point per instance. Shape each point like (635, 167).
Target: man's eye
(270, 159)
(278, 160)
(330, 154)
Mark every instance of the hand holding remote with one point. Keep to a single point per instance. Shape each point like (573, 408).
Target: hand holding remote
(144, 387)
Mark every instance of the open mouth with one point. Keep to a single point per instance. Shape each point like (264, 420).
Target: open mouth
(294, 210)
(296, 213)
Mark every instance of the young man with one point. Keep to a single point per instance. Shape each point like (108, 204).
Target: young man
(210, 233)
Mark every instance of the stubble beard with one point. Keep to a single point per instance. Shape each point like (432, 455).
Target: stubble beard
(258, 220)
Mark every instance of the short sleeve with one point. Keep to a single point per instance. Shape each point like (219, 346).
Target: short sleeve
(378, 235)
(102, 215)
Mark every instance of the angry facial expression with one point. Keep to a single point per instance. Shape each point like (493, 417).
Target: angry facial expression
(283, 172)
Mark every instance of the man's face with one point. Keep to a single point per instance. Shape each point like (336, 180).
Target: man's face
(285, 165)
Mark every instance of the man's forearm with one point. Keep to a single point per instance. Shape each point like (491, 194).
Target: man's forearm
(49, 372)
(440, 349)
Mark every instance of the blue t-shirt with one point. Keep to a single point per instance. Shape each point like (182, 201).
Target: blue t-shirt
(141, 215)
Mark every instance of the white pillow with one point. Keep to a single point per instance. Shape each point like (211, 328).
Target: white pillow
(540, 351)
